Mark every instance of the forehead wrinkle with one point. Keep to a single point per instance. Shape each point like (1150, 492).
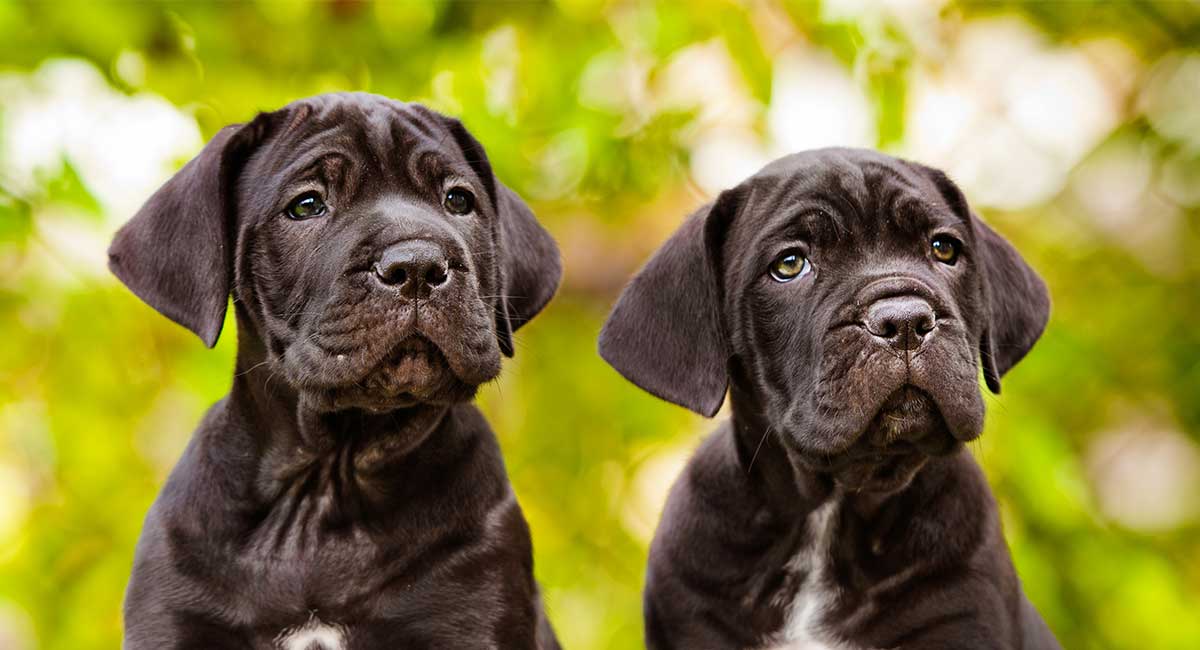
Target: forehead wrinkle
(827, 225)
(890, 177)
(284, 149)
(424, 167)
(842, 189)
(376, 138)
(904, 201)
(815, 201)
(850, 178)
(872, 202)
(839, 195)
(415, 145)
(318, 166)
(897, 181)
(419, 120)
(301, 114)
(814, 218)
(912, 212)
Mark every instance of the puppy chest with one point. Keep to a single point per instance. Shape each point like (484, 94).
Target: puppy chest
(807, 607)
(313, 635)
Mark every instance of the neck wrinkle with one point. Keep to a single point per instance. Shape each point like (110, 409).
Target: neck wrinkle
(791, 489)
(290, 436)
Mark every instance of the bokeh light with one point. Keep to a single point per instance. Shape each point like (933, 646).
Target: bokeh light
(1074, 129)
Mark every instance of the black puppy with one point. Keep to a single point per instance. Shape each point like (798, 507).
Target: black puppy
(843, 297)
(344, 494)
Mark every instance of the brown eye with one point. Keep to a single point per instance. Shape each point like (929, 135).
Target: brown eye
(789, 265)
(459, 201)
(306, 206)
(945, 249)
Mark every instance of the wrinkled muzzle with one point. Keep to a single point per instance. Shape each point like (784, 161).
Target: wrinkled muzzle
(407, 325)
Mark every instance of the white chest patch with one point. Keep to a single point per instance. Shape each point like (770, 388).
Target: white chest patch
(313, 635)
(802, 624)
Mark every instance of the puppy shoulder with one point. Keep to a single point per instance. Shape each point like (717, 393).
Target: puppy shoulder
(712, 508)
(957, 513)
(715, 475)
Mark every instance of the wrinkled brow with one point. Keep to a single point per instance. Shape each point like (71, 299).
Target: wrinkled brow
(818, 217)
(428, 167)
(328, 167)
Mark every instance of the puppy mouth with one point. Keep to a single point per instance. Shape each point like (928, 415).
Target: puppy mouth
(414, 372)
(904, 434)
(909, 420)
(414, 354)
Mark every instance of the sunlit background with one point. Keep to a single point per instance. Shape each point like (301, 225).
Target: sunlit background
(1074, 127)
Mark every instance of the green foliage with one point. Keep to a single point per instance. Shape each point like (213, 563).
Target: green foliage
(98, 393)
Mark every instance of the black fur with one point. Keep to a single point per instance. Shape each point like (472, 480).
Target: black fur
(345, 479)
(853, 389)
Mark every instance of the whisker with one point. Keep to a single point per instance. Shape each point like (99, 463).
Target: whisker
(766, 431)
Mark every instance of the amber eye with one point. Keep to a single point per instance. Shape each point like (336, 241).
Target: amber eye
(945, 249)
(459, 201)
(789, 265)
(306, 206)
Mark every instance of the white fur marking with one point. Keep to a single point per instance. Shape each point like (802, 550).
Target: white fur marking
(313, 635)
(801, 628)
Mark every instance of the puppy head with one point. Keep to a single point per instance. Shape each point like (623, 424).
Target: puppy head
(851, 296)
(365, 241)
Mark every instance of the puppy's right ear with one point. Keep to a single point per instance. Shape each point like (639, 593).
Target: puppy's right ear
(176, 253)
(665, 333)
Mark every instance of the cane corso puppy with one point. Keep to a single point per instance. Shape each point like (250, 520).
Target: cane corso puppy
(843, 297)
(345, 493)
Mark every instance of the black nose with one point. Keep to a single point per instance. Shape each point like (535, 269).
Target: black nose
(416, 266)
(902, 321)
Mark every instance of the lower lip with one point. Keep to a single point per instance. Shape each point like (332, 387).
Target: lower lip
(882, 466)
(885, 473)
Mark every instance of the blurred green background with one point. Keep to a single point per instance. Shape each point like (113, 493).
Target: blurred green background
(1074, 127)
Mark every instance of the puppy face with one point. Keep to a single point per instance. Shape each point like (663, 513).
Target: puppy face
(851, 296)
(365, 242)
(855, 308)
(368, 254)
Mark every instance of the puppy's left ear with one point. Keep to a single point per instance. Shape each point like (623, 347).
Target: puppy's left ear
(1017, 303)
(176, 252)
(528, 268)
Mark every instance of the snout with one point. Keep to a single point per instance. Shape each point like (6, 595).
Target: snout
(925, 381)
(902, 322)
(416, 267)
(896, 375)
(405, 319)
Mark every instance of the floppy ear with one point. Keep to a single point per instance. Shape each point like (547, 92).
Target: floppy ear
(1017, 303)
(527, 260)
(176, 252)
(665, 332)
(530, 266)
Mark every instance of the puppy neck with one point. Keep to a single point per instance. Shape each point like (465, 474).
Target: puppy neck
(289, 430)
(791, 488)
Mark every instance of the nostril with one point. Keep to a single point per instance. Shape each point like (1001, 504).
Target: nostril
(436, 275)
(901, 321)
(877, 326)
(391, 273)
(884, 329)
(414, 266)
